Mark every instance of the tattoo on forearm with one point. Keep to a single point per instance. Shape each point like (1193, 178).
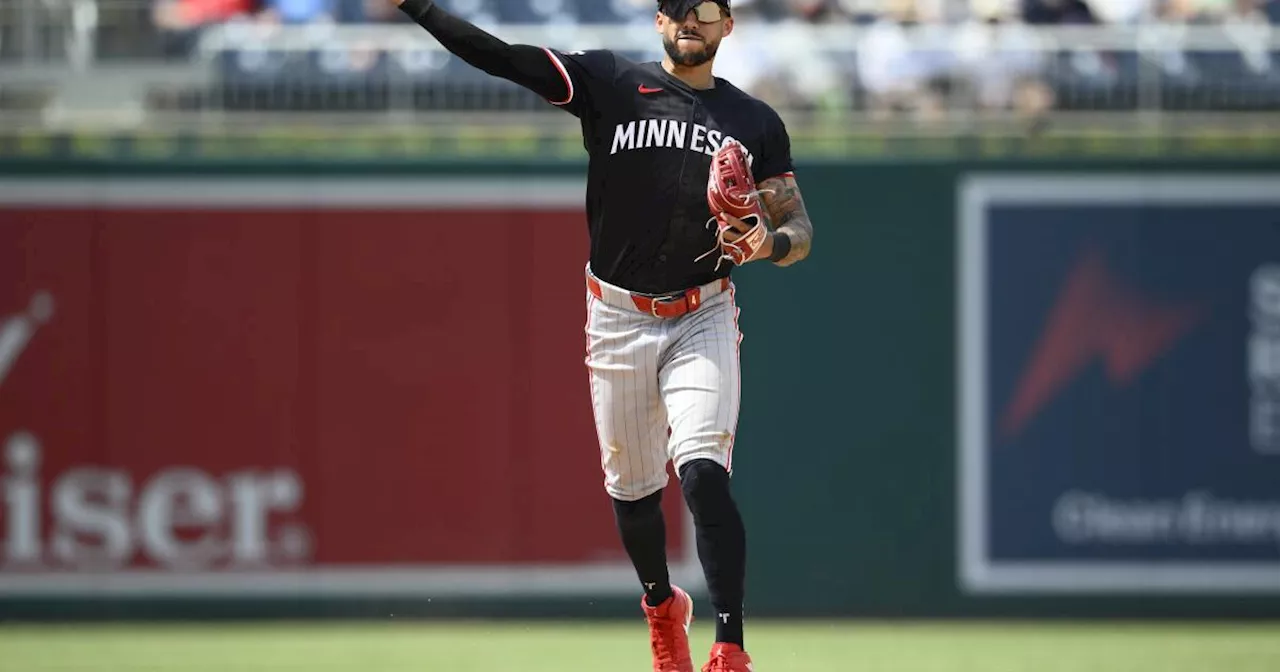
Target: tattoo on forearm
(787, 214)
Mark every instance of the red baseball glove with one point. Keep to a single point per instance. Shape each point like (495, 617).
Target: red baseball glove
(731, 190)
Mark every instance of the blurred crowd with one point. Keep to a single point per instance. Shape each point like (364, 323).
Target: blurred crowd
(988, 69)
(188, 14)
(917, 58)
(180, 16)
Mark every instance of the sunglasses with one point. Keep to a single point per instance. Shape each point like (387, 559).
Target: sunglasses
(707, 12)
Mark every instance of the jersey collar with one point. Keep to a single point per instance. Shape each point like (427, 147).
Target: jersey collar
(680, 84)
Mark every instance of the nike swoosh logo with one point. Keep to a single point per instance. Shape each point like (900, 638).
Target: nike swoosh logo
(1096, 315)
(645, 89)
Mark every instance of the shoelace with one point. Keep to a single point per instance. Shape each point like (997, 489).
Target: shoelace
(717, 663)
(719, 246)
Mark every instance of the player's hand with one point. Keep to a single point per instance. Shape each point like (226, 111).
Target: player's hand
(737, 228)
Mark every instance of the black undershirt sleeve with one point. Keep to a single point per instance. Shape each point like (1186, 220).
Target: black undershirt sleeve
(526, 65)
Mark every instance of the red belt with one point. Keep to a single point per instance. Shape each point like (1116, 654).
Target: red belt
(667, 306)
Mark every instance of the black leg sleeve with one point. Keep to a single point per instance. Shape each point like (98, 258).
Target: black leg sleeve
(644, 535)
(722, 543)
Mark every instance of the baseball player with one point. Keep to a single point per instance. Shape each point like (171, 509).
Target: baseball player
(688, 177)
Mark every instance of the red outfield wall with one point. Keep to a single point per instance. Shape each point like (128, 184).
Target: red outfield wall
(346, 387)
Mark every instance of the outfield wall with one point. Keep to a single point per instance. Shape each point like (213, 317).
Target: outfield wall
(1035, 387)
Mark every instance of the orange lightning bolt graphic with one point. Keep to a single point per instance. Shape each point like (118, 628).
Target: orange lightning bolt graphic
(1096, 315)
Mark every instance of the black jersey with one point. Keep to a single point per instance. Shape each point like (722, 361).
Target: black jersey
(649, 138)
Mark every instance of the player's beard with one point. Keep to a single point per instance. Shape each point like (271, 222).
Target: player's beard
(688, 59)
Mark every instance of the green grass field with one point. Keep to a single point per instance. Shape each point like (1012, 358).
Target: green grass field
(621, 647)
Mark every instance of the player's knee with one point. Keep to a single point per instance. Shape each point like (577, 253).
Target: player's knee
(705, 484)
(702, 469)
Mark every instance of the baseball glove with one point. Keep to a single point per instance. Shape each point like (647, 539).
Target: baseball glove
(731, 190)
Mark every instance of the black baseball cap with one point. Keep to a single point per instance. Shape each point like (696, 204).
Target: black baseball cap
(678, 9)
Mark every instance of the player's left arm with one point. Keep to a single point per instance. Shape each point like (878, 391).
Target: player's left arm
(791, 229)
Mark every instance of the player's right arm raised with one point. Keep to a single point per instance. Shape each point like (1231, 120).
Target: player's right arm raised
(534, 68)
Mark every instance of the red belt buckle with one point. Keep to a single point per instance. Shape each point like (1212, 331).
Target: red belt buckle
(684, 304)
(653, 306)
(656, 304)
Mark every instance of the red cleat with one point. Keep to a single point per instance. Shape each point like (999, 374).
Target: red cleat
(669, 632)
(728, 658)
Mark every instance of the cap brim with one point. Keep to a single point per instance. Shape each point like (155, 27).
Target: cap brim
(678, 9)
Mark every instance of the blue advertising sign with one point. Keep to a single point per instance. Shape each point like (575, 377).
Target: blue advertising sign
(1119, 384)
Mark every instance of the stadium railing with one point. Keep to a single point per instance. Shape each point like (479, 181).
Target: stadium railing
(927, 79)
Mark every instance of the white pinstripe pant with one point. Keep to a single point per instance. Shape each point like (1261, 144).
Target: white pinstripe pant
(662, 389)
